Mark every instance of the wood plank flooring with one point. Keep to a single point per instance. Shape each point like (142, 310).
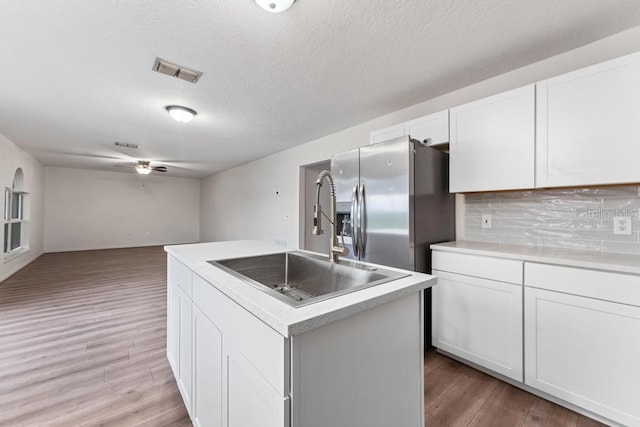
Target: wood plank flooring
(457, 395)
(83, 337)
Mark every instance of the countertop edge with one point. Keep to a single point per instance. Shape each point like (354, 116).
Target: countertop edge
(616, 263)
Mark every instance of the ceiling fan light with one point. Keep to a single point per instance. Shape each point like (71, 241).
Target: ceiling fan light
(275, 6)
(181, 114)
(143, 169)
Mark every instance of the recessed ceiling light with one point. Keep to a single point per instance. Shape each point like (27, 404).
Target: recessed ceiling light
(275, 6)
(181, 114)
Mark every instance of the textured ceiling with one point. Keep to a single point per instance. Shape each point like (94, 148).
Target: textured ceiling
(76, 74)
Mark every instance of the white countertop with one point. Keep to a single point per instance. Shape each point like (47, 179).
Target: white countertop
(620, 263)
(285, 319)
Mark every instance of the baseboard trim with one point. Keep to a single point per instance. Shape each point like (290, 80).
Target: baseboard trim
(532, 390)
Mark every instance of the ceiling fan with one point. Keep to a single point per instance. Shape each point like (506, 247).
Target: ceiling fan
(143, 167)
(121, 156)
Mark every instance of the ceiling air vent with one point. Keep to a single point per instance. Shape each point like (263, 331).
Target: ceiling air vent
(170, 69)
(126, 145)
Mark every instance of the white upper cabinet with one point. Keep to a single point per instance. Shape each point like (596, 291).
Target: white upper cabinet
(588, 125)
(432, 129)
(493, 143)
(386, 134)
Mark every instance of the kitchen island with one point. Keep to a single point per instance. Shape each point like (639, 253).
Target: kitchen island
(244, 358)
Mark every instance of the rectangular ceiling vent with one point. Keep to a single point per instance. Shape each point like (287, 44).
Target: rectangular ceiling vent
(171, 69)
(126, 145)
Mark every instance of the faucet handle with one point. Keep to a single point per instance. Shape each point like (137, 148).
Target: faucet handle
(341, 250)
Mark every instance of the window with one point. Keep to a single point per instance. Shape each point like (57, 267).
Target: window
(14, 221)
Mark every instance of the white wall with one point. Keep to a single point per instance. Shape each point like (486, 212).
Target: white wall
(11, 158)
(242, 202)
(96, 210)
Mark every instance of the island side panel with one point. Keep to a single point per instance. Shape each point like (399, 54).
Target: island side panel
(366, 369)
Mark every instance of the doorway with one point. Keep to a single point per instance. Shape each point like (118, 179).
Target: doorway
(308, 176)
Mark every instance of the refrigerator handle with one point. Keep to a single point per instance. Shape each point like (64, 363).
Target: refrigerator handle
(362, 221)
(354, 221)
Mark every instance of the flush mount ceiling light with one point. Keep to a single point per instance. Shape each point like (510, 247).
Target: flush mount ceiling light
(143, 168)
(275, 6)
(181, 114)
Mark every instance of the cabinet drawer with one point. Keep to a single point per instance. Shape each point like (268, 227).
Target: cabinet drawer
(262, 346)
(179, 274)
(503, 270)
(608, 286)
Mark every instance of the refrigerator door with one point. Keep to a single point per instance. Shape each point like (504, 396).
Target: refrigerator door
(345, 168)
(386, 189)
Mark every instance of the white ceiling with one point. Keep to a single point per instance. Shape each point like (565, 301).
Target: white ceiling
(76, 74)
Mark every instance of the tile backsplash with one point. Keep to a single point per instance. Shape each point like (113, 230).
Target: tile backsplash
(572, 218)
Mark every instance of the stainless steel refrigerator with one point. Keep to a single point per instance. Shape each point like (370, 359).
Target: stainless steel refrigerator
(393, 201)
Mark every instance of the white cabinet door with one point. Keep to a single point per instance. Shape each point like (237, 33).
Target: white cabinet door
(432, 129)
(173, 326)
(584, 351)
(184, 377)
(179, 278)
(493, 143)
(387, 134)
(481, 321)
(248, 399)
(207, 371)
(589, 125)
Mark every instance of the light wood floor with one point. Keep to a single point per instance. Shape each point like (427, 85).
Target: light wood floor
(83, 339)
(457, 395)
(82, 342)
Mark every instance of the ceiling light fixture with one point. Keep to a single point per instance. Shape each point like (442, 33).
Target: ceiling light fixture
(143, 168)
(181, 114)
(275, 6)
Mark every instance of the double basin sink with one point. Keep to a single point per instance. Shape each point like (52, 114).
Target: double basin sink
(299, 278)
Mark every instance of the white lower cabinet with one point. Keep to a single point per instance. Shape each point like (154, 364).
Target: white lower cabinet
(207, 368)
(184, 376)
(581, 349)
(227, 389)
(477, 310)
(179, 326)
(581, 340)
(480, 320)
(249, 400)
(173, 326)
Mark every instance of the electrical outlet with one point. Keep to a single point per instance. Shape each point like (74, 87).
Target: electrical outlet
(622, 225)
(486, 221)
(280, 241)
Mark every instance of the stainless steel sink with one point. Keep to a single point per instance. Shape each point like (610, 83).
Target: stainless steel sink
(298, 278)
